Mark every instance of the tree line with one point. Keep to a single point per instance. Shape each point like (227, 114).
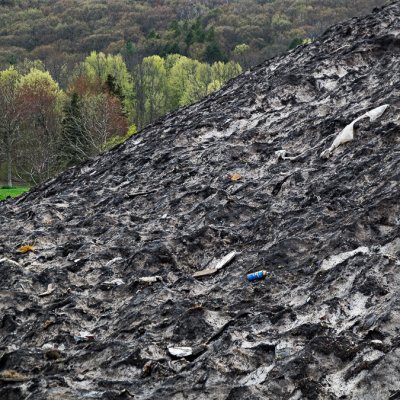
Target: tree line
(45, 129)
(63, 32)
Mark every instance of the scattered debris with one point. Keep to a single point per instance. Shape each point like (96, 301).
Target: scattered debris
(190, 353)
(50, 289)
(10, 375)
(47, 324)
(205, 272)
(53, 355)
(107, 285)
(114, 260)
(26, 248)
(325, 322)
(180, 351)
(236, 177)
(147, 367)
(150, 279)
(220, 264)
(257, 275)
(114, 282)
(347, 134)
(84, 336)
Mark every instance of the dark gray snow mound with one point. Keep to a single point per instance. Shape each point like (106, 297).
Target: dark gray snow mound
(77, 322)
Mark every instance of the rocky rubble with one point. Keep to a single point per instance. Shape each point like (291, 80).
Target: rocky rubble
(239, 171)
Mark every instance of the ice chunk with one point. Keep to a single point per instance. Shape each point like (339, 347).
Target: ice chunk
(337, 259)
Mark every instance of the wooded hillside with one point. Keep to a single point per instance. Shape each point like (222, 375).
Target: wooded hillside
(62, 32)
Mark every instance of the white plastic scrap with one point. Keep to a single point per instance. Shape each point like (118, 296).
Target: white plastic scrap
(337, 259)
(219, 265)
(50, 289)
(84, 336)
(115, 282)
(225, 260)
(347, 134)
(150, 279)
(180, 351)
(376, 112)
(114, 260)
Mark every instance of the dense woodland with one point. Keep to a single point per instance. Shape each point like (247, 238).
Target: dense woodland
(63, 32)
(78, 77)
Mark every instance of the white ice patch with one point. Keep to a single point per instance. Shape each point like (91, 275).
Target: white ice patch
(337, 259)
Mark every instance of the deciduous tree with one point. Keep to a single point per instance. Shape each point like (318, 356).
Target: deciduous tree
(9, 118)
(39, 101)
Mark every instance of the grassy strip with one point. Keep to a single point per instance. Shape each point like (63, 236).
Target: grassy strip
(12, 192)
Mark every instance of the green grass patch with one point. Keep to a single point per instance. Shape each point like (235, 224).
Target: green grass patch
(12, 192)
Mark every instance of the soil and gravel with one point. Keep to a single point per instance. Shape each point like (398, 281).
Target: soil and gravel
(240, 171)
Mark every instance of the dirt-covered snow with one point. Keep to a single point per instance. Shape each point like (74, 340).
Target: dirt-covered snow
(239, 171)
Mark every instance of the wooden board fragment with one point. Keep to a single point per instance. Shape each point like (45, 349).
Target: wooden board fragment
(205, 272)
(219, 265)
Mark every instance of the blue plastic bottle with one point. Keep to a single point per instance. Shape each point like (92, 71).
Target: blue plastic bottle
(256, 275)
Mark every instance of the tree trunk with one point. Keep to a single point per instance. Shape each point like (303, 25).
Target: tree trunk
(9, 173)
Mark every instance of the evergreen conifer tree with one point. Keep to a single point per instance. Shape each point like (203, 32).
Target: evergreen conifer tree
(76, 145)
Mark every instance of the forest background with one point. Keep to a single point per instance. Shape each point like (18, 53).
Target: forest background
(79, 77)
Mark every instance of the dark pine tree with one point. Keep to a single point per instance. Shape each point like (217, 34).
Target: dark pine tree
(113, 89)
(75, 143)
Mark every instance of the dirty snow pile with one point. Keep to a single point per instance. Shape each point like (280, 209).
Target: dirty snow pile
(137, 284)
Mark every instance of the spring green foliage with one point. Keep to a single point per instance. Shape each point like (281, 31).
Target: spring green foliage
(6, 192)
(40, 102)
(165, 84)
(298, 42)
(117, 140)
(9, 118)
(110, 72)
(9, 78)
(39, 83)
(44, 129)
